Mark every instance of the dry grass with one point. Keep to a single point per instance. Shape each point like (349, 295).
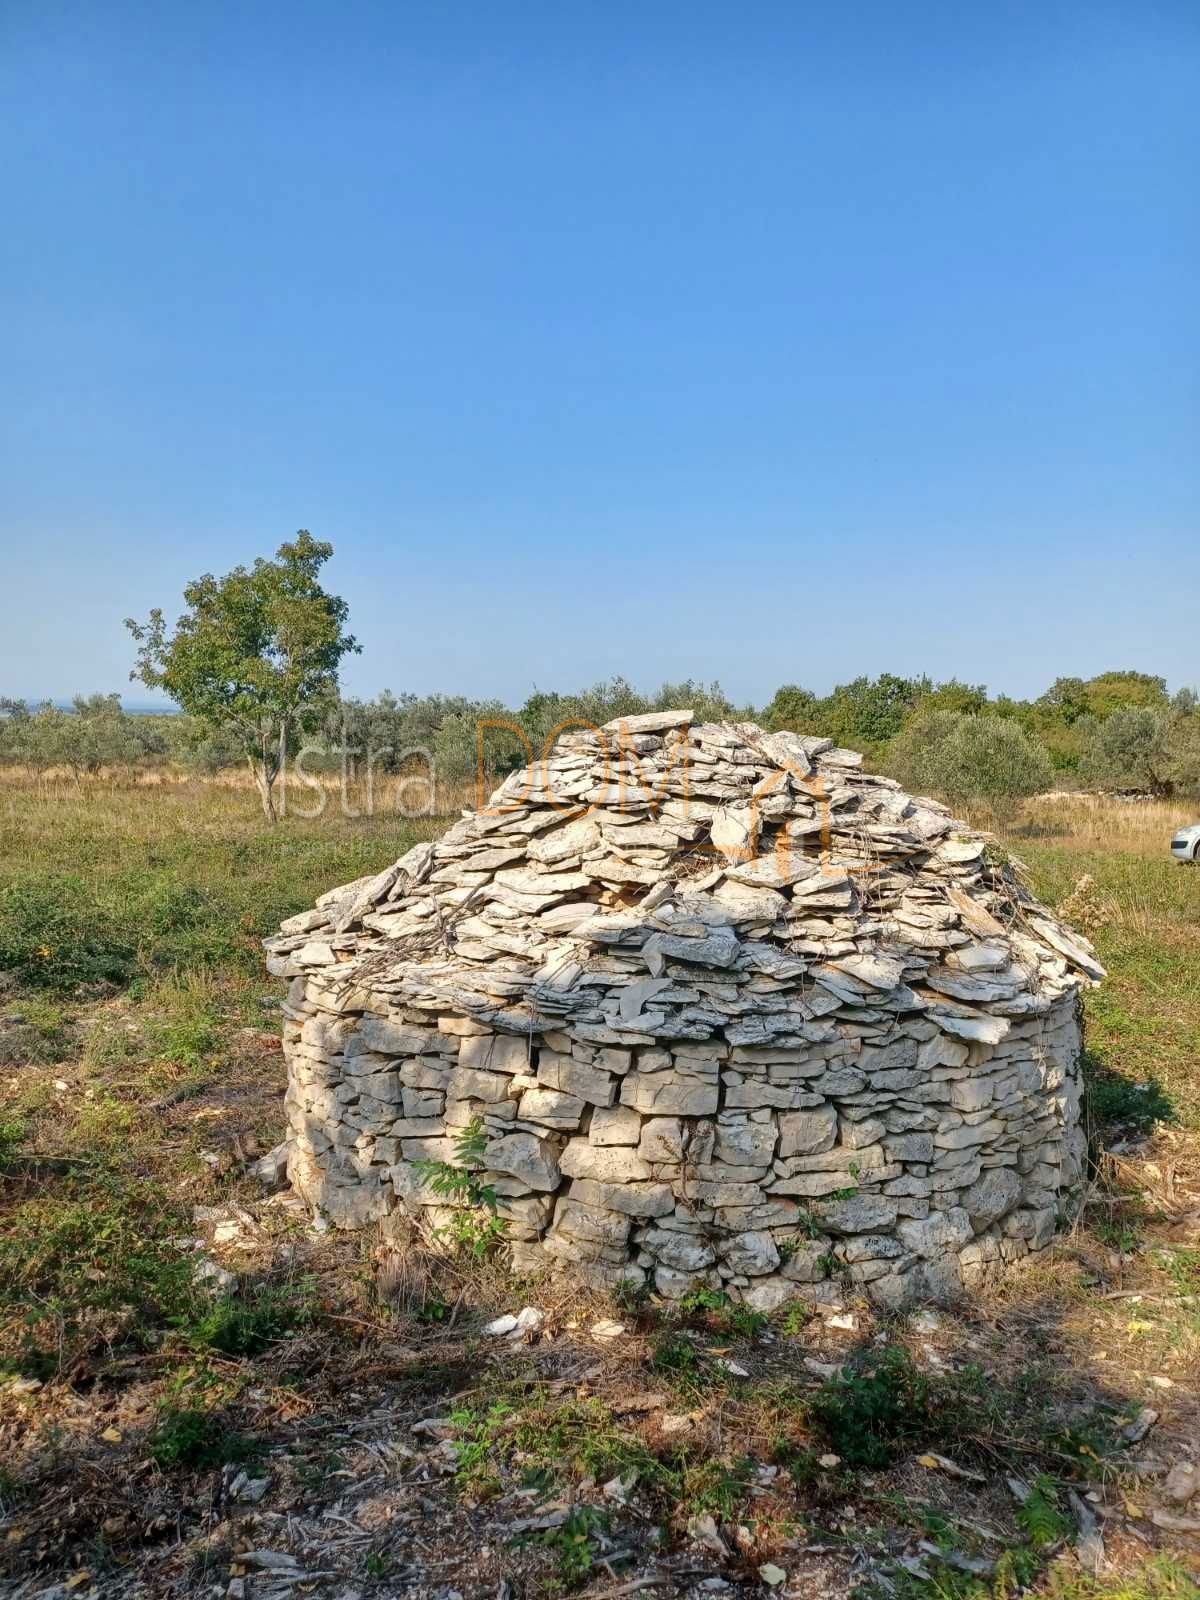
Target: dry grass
(356, 795)
(1097, 822)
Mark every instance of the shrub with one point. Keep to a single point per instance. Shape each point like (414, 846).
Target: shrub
(237, 1326)
(1130, 749)
(53, 935)
(871, 1412)
(969, 758)
(188, 1437)
(95, 733)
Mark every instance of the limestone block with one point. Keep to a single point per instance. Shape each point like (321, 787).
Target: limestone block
(495, 1052)
(808, 1132)
(570, 1076)
(669, 1094)
(754, 1254)
(938, 1233)
(551, 1108)
(603, 1163)
(634, 1199)
(615, 1125)
(992, 1195)
(524, 1157)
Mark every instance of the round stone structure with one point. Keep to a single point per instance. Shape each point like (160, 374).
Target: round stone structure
(722, 1009)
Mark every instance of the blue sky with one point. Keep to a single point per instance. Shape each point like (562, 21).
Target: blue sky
(766, 342)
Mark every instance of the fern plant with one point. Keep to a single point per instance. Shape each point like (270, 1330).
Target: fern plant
(1039, 1517)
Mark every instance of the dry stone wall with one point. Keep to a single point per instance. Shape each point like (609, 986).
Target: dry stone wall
(727, 1011)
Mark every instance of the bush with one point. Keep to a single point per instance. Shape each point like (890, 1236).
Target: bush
(870, 1413)
(245, 1327)
(189, 1437)
(1139, 747)
(969, 758)
(54, 936)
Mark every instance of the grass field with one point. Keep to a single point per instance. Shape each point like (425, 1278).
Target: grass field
(142, 1412)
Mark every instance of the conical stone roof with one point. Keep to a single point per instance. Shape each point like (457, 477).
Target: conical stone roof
(700, 984)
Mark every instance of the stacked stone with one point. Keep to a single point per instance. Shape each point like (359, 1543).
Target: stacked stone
(728, 1011)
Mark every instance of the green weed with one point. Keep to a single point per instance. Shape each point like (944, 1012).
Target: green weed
(196, 1439)
(239, 1326)
(571, 1543)
(872, 1411)
(54, 936)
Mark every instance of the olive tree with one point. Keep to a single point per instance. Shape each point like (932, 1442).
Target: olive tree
(1143, 747)
(969, 758)
(255, 656)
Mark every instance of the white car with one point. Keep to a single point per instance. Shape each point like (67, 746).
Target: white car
(1185, 846)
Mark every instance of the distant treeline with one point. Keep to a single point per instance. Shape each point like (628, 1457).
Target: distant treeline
(1118, 730)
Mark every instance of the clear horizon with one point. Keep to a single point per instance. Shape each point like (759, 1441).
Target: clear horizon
(763, 347)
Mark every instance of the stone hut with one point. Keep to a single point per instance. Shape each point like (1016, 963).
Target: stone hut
(727, 1011)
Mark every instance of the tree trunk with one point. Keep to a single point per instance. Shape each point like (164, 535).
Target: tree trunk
(264, 781)
(281, 766)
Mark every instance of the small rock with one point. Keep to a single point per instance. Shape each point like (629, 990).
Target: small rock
(829, 1461)
(1135, 1431)
(271, 1169)
(607, 1329)
(20, 1386)
(704, 1532)
(1172, 1522)
(772, 1575)
(732, 1367)
(1181, 1483)
(268, 1560)
(211, 1275)
(1089, 1546)
(846, 1320)
(926, 1322)
(434, 1428)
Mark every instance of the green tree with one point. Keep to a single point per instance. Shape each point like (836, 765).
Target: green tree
(256, 654)
(1064, 701)
(969, 758)
(968, 698)
(794, 710)
(14, 715)
(1183, 750)
(1130, 749)
(868, 712)
(1067, 700)
(1108, 692)
(94, 733)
